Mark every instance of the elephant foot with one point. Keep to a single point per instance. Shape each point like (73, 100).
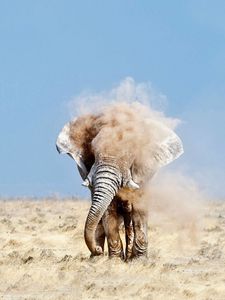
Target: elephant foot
(115, 249)
(138, 255)
(140, 246)
(120, 256)
(138, 259)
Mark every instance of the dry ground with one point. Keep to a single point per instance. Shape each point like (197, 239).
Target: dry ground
(43, 256)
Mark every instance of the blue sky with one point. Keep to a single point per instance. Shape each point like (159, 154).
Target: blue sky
(53, 50)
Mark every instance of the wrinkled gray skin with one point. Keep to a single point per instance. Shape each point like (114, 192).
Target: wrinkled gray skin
(108, 177)
(115, 195)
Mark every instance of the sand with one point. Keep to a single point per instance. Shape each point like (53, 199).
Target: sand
(43, 256)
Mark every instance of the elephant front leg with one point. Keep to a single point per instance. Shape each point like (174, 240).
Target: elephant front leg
(140, 245)
(111, 224)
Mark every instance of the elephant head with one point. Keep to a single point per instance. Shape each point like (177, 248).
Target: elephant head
(108, 161)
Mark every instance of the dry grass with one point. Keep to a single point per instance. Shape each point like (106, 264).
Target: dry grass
(43, 256)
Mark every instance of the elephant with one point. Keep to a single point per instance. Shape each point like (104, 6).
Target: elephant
(117, 152)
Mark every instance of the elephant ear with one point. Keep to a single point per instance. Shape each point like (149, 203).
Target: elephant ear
(75, 140)
(168, 150)
(166, 147)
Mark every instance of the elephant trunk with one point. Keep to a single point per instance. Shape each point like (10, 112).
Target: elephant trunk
(106, 183)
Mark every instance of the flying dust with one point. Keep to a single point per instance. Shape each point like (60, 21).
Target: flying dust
(130, 124)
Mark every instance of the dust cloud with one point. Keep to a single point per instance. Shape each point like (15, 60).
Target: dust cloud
(177, 204)
(126, 121)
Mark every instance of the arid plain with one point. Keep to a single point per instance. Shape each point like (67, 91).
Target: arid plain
(43, 255)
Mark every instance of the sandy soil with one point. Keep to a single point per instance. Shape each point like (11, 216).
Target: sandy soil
(43, 256)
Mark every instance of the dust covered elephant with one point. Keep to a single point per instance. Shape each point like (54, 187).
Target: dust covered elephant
(117, 152)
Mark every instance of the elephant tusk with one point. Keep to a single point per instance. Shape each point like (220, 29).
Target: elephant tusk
(131, 184)
(86, 183)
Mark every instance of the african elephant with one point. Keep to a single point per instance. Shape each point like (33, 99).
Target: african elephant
(117, 152)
